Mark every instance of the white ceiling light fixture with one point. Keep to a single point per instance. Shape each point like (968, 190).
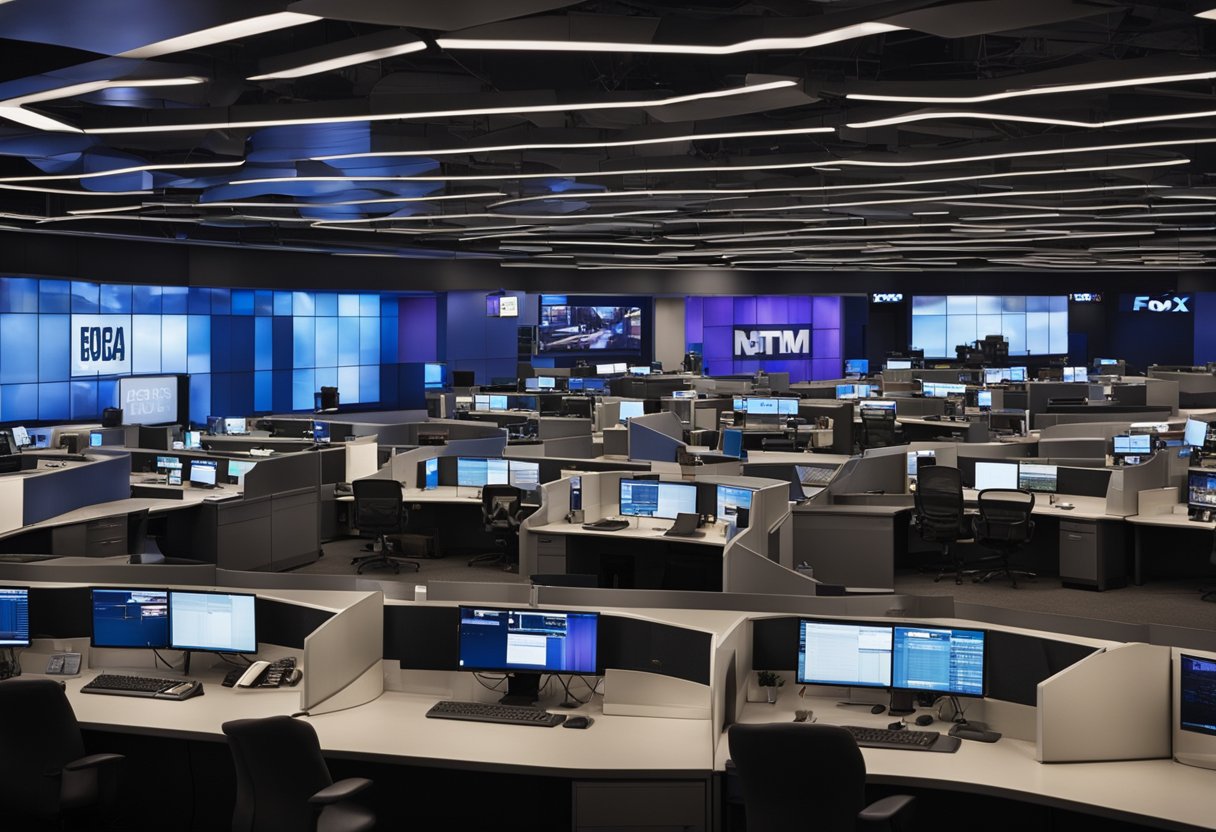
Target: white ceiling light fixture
(235, 30)
(438, 114)
(857, 30)
(373, 47)
(1055, 122)
(1049, 90)
(117, 171)
(14, 109)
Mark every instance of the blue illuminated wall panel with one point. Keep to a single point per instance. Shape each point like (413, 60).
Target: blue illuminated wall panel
(247, 351)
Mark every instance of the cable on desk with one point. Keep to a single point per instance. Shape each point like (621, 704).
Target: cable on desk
(481, 680)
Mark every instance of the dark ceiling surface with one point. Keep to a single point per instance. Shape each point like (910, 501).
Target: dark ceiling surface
(776, 135)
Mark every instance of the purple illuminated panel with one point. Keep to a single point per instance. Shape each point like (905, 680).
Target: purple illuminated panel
(711, 321)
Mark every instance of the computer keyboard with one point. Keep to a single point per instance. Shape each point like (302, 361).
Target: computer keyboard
(607, 525)
(813, 475)
(145, 686)
(489, 712)
(887, 738)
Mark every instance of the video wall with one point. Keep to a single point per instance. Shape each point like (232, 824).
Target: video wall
(64, 345)
(798, 334)
(581, 325)
(1033, 324)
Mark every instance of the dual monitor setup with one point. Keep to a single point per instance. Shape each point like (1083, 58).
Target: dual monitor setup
(668, 500)
(1023, 476)
(478, 472)
(906, 660)
(201, 473)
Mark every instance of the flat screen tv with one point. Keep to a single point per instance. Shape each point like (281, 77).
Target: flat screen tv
(572, 326)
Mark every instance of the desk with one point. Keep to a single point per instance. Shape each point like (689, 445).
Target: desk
(1159, 793)
(1180, 522)
(851, 545)
(640, 556)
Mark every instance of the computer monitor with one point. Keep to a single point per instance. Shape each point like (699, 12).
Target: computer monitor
(526, 643)
(652, 498)
(498, 402)
(604, 369)
(579, 406)
(523, 475)
(202, 472)
(130, 618)
(477, 472)
(95, 437)
(576, 384)
(946, 661)
(576, 492)
(1134, 444)
(1194, 701)
(432, 376)
(481, 402)
(21, 437)
(14, 616)
(846, 391)
(235, 426)
(639, 371)
(995, 475)
(730, 499)
(856, 366)
(844, 654)
(237, 469)
(1033, 476)
(914, 461)
(732, 442)
(532, 384)
(1017, 374)
(995, 375)
(1195, 433)
(594, 385)
(983, 399)
(320, 432)
(1080, 374)
(430, 474)
(881, 405)
(1201, 490)
(897, 364)
(167, 464)
(213, 622)
(630, 409)
(192, 440)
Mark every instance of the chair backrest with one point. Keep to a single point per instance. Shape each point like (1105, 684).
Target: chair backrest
(1005, 516)
(377, 504)
(501, 505)
(38, 735)
(939, 503)
(798, 776)
(278, 767)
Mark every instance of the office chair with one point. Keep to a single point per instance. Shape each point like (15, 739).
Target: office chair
(877, 428)
(45, 776)
(777, 443)
(1004, 524)
(808, 776)
(939, 515)
(378, 510)
(501, 514)
(283, 783)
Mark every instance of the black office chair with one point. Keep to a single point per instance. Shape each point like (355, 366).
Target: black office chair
(283, 783)
(45, 777)
(803, 776)
(378, 510)
(777, 443)
(1005, 525)
(501, 514)
(940, 516)
(877, 428)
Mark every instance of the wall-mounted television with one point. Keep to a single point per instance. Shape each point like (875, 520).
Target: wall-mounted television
(583, 324)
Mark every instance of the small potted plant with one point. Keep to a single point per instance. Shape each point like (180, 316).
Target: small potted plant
(770, 681)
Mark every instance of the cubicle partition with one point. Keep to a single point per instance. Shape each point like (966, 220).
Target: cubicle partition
(46, 494)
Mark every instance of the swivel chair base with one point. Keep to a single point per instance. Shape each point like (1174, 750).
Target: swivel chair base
(1005, 572)
(496, 557)
(382, 558)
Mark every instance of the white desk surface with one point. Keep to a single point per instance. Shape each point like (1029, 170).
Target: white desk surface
(1150, 791)
(1086, 508)
(1178, 521)
(650, 528)
(442, 494)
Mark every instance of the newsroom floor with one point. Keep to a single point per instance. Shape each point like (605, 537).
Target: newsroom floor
(1167, 602)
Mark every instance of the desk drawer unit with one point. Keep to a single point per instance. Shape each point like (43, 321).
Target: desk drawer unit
(1090, 555)
(551, 553)
(633, 805)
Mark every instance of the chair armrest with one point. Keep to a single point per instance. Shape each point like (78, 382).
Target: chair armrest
(93, 761)
(892, 812)
(341, 790)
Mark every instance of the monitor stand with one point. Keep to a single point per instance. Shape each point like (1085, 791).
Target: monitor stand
(903, 702)
(522, 689)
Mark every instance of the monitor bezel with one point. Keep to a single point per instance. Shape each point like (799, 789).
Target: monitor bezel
(800, 680)
(983, 694)
(621, 484)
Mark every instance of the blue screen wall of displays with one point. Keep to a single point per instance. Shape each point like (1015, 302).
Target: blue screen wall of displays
(541, 641)
(246, 350)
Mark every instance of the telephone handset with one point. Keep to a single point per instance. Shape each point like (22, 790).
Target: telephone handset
(263, 674)
(252, 675)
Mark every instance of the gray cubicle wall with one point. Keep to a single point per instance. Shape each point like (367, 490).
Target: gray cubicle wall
(841, 414)
(877, 473)
(1079, 447)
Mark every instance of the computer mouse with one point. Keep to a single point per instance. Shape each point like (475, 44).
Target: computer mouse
(877, 709)
(1065, 506)
(924, 719)
(577, 722)
(895, 726)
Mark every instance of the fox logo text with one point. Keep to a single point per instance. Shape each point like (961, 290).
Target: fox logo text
(100, 345)
(784, 342)
(1163, 303)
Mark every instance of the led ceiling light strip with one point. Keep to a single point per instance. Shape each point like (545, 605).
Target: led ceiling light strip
(4, 187)
(118, 171)
(359, 50)
(1050, 90)
(441, 114)
(857, 30)
(13, 109)
(296, 205)
(235, 30)
(512, 148)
